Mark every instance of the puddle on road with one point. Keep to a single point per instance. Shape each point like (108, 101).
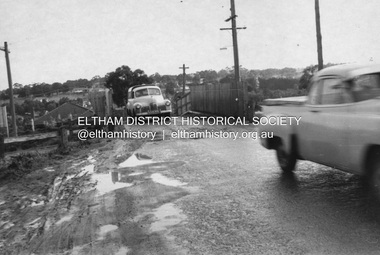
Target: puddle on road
(89, 169)
(167, 215)
(91, 159)
(104, 230)
(34, 223)
(49, 169)
(6, 224)
(135, 174)
(79, 163)
(107, 183)
(136, 159)
(35, 203)
(161, 179)
(122, 251)
(64, 219)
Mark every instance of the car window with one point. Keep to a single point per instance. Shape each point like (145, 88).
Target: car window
(334, 91)
(314, 93)
(141, 92)
(154, 91)
(366, 87)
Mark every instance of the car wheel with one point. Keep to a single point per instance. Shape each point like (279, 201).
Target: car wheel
(287, 161)
(374, 178)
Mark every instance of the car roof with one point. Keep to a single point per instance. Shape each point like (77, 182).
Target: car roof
(142, 86)
(348, 71)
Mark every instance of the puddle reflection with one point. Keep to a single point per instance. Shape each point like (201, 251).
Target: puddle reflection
(167, 215)
(161, 179)
(104, 230)
(109, 182)
(137, 159)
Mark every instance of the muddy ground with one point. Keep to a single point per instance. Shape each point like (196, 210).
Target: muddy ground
(41, 190)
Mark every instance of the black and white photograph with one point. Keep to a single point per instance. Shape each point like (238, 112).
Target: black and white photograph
(189, 127)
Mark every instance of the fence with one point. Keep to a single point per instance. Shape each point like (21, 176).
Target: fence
(101, 102)
(4, 129)
(217, 99)
(184, 104)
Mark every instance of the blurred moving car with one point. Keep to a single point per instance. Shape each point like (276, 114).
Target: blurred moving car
(147, 100)
(340, 122)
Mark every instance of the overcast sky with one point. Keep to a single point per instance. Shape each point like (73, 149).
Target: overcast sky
(58, 40)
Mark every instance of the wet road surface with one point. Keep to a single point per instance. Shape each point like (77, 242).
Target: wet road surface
(246, 205)
(206, 196)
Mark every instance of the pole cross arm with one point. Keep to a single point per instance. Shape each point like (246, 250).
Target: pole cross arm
(3, 49)
(230, 18)
(229, 28)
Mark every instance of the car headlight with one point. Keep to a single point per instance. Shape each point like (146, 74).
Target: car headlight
(167, 103)
(138, 106)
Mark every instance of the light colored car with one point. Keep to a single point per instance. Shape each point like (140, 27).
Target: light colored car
(147, 100)
(339, 125)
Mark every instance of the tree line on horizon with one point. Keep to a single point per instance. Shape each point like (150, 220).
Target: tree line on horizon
(272, 82)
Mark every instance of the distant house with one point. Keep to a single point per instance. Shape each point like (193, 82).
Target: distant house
(79, 90)
(63, 113)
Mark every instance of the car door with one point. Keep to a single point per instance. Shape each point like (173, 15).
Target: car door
(324, 126)
(365, 118)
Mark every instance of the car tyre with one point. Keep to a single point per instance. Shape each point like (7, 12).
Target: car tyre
(286, 160)
(374, 177)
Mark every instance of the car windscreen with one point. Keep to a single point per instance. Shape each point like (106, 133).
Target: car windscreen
(147, 92)
(141, 92)
(154, 91)
(365, 87)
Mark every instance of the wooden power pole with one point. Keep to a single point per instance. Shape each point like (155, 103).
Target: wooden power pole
(319, 36)
(10, 88)
(184, 77)
(236, 51)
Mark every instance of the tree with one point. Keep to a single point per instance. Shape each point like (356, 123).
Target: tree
(63, 100)
(156, 77)
(307, 74)
(170, 88)
(122, 79)
(5, 94)
(168, 78)
(56, 87)
(208, 75)
(24, 91)
(224, 72)
(51, 106)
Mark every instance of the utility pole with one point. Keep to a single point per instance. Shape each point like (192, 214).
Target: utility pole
(5, 49)
(236, 52)
(319, 36)
(184, 77)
